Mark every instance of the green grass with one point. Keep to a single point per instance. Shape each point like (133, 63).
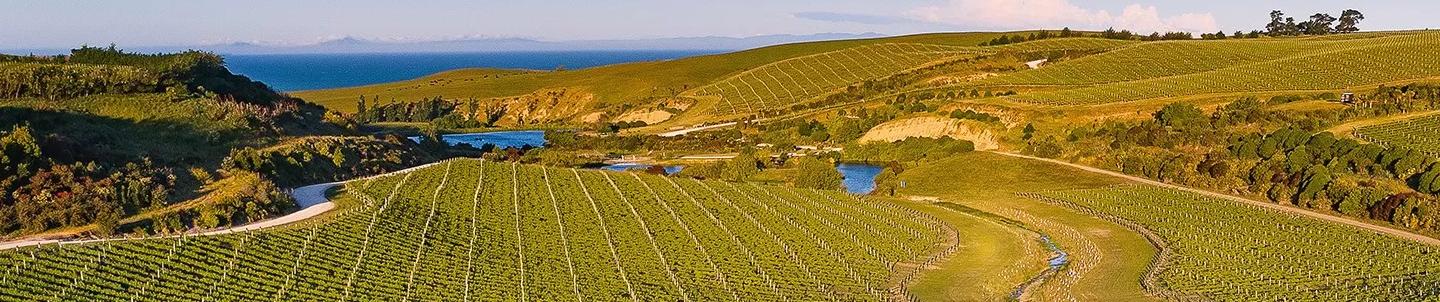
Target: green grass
(1420, 134)
(1160, 59)
(1107, 259)
(784, 83)
(1315, 66)
(466, 229)
(994, 257)
(612, 84)
(1227, 251)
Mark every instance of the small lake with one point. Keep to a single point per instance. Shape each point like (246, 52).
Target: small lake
(620, 167)
(859, 178)
(501, 139)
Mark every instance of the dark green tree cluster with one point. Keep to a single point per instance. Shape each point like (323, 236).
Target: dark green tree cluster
(422, 111)
(44, 194)
(908, 150)
(320, 159)
(816, 173)
(1298, 163)
(1317, 24)
(1041, 35)
(974, 116)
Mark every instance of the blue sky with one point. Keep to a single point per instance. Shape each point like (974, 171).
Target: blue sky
(67, 23)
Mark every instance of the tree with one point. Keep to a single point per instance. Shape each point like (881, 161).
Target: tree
(1317, 177)
(1290, 28)
(1276, 27)
(1180, 116)
(887, 182)
(1029, 131)
(816, 174)
(360, 109)
(1319, 24)
(741, 167)
(107, 219)
(1349, 21)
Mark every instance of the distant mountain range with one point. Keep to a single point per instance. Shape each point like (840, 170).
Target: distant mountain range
(357, 45)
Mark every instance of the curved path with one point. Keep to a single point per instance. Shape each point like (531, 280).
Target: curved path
(311, 200)
(1322, 216)
(693, 129)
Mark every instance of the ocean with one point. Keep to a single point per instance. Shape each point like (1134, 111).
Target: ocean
(295, 72)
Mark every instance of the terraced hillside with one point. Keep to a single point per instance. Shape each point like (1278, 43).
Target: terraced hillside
(1420, 134)
(1227, 251)
(786, 82)
(467, 230)
(1210, 67)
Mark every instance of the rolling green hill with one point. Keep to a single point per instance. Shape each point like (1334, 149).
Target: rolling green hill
(466, 229)
(1226, 251)
(103, 141)
(1304, 66)
(787, 80)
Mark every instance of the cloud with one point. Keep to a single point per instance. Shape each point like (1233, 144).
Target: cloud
(851, 18)
(1033, 14)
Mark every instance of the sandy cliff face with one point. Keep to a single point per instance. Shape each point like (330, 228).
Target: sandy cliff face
(933, 127)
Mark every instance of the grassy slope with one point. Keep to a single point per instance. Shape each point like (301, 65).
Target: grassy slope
(994, 256)
(612, 84)
(1316, 65)
(988, 182)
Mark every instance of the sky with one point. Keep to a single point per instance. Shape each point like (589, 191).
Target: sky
(138, 23)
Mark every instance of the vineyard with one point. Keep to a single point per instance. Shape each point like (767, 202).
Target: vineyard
(786, 82)
(1356, 63)
(470, 230)
(1420, 134)
(1158, 59)
(1223, 250)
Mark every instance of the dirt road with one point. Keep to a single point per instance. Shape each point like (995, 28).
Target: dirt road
(311, 200)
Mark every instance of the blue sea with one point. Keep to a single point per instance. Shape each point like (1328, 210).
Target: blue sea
(294, 72)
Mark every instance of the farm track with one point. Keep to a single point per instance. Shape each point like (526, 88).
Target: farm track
(311, 200)
(1341, 220)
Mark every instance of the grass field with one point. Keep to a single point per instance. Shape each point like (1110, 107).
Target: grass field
(464, 229)
(612, 84)
(1418, 133)
(787, 82)
(1106, 258)
(1228, 251)
(1296, 65)
(995, 256)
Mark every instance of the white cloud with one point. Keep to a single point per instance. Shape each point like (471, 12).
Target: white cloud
(1032, 14)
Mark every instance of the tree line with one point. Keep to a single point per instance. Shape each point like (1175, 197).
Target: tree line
(1317, 24)
(442, 113)
(1280, 25)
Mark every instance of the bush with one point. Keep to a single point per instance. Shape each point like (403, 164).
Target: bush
(816, 174)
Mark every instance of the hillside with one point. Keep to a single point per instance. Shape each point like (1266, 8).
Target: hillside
(785, 80)
(637, 84)
(94, 139)
(499, 231)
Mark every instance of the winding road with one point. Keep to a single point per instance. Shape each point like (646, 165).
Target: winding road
(311, 200)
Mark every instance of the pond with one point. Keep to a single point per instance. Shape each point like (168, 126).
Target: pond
(669, 170)
(859, 178)
(501, 139)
